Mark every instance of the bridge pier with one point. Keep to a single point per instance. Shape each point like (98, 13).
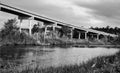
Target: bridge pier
(86, 38)
(98, 37)
(83, 35)
(20, 24)
(71, 34)
(79, 35)
(29, 22)
(106, 38)
(46, 31)
(93, 36)
(30, 27)
(54, 26)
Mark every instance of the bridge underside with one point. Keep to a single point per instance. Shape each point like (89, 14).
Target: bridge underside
(14, 12)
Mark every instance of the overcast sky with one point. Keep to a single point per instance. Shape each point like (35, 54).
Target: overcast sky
(84, 13)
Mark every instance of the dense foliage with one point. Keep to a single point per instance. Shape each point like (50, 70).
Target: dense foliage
(10, 34)
(111, 30)
(9, 28)
(108, 29)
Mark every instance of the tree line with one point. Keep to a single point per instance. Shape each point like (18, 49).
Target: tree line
(108, 29)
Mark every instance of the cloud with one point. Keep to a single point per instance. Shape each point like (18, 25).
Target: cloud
(78, 12)
(106, 11)
(69, 5)
(74, 11)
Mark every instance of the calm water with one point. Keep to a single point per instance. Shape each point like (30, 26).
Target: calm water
(45, 57)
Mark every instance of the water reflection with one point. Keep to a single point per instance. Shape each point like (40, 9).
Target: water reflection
(71, 56)
(54, 56)
(11, 52)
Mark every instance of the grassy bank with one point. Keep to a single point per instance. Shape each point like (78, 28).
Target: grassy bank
(109, 64)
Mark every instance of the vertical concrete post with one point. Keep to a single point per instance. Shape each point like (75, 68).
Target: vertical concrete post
(30, 25)
(72, 33)
(54, 30)
(20, 26)
(79, 35)
(0, 7)
(30, 29)
(86, 35)
(97, 36)
(45, 32)
(54, 25)
(20, 21)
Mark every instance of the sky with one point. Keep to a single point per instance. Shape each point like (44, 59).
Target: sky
(82, 13)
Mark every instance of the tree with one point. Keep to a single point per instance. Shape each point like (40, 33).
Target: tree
(108, 29)
(35, 29)
(64, 31)
(8, 28)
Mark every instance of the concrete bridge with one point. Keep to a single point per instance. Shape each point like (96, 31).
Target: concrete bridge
(29, 18)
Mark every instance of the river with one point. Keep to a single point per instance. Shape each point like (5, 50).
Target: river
(51, 56)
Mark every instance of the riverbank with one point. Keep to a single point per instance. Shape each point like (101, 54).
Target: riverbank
(23, 39)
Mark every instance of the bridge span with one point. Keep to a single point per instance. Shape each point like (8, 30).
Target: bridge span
(25, 17)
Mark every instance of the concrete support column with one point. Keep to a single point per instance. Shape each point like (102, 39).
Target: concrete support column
(97, 36)
(46, 31)
(20, 24)
(79, 35)
(86, 35)
(19, 20)
(30, 25)
(54, 26)
(72, 33)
